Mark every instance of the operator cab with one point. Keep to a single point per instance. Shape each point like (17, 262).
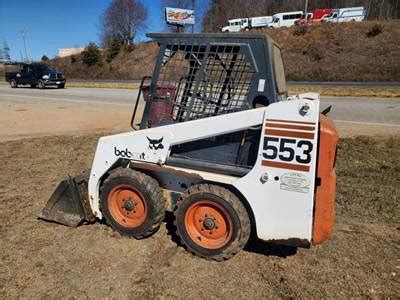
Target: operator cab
(203, 75)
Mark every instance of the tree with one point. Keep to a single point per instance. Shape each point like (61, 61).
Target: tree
(122, 21)
(91, 55)
(44, 58)
(113, 49)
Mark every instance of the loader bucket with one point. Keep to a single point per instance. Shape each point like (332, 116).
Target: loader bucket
(69, 205)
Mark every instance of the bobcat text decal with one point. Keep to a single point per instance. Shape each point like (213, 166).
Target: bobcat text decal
(125, 153)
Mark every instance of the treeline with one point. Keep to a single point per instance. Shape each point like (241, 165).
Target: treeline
(219, 11)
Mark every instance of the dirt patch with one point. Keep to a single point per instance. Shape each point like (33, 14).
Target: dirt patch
(41, 259)
(22, 119)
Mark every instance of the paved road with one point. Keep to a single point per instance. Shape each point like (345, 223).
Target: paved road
(375, 115)
(350, 109)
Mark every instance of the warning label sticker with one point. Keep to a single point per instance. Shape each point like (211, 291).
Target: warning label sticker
(295, 182)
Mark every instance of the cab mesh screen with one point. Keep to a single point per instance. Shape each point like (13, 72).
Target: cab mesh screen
(202, 81)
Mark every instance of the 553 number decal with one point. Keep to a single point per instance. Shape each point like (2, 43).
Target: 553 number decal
(287, 149)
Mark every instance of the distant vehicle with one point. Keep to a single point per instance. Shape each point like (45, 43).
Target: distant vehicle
(36, 75)
(236, 25)
(345, 15)
(314, 16)
(285, 19)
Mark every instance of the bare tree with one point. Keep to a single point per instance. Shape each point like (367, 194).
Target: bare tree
(123, 20)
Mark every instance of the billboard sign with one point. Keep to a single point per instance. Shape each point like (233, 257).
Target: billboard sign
(178, 16)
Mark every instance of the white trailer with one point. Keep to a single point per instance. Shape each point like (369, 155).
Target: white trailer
(346, 15)
(260, 21)
(285, 19)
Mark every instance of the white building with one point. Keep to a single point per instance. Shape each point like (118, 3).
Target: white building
(62, 52)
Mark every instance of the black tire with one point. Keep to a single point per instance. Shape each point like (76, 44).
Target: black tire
(225, 202)
(13, 84)
(60, 86)
(151, 196)
(33, 86)
(41, 85)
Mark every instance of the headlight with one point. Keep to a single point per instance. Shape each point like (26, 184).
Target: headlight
(45, 77)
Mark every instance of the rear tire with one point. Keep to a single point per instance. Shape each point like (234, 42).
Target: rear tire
(132, 203)
(212, 222)
(41, 85)
(13, 84)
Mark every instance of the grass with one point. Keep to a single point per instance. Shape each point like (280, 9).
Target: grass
(368, 172)
(105, 85)
(346, 91)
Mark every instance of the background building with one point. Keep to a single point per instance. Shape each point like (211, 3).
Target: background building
(62, 52)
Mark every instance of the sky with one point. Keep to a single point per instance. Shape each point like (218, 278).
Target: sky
(50, 25)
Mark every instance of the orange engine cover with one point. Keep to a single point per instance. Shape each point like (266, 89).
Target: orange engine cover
(324, 206)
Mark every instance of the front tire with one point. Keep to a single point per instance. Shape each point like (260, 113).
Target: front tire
(60, 86)
(212, 222)
(132, 203)
(13, 84)
(41, 85)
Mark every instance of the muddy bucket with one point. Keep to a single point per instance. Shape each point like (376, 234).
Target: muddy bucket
(69, 203)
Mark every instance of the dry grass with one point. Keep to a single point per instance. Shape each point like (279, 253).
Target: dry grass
(52, 261)
(368, 170)
(341, 52)
(127, 65)
(107, 85)
(293, 89)
(346, 91)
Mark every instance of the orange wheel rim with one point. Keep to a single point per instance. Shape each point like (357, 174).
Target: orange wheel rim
(208, 224)
(127, 206)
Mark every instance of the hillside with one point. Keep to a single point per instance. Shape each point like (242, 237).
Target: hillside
(365, 51)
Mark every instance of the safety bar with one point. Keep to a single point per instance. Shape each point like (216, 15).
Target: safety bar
(137, 100)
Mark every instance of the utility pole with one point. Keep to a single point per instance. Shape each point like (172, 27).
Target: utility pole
(23, 33)
(305, 10)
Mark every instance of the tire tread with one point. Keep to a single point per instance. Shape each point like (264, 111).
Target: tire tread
(152, 186)
(245, 224)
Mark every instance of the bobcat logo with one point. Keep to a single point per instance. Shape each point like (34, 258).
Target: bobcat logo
(155, 144)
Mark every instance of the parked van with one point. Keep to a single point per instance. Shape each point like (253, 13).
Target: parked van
(236, 25)
(345, 15)
(286, 19)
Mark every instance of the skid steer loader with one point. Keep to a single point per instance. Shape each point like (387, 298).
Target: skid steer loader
(219, 143)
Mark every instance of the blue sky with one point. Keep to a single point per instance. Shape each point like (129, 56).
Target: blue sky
(51, 25)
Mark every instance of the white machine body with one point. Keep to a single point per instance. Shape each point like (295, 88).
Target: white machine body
(279, 189)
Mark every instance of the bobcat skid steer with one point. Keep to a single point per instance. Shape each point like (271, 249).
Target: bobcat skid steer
(219, 143)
